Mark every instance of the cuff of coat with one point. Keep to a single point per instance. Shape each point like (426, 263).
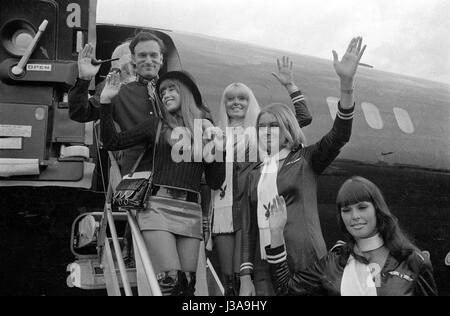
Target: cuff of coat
(105, 106)
(246, 269)
(276, 255)
(297, 96)
(83, 83)
(346, 114)
(105, 110)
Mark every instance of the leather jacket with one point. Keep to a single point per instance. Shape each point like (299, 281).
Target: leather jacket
(411, 277)
(297, 183)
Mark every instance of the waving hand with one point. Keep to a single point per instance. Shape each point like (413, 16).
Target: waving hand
(86, 70)
(347, 67)
(285, 73)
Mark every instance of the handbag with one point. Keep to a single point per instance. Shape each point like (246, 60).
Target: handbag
(135, 188)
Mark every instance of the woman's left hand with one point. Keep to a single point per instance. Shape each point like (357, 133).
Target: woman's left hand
(278, 215)
(111, 88)
(347, 67)
(206, 124)
(285, 74)
(209, 130)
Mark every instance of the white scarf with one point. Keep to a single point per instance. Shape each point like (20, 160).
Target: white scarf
(223, 204)
(267, 191)
(369, 244)
(358, 279)
(222, 199)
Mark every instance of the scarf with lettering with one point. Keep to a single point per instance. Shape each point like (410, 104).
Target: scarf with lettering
(222, 199)
(267, 192)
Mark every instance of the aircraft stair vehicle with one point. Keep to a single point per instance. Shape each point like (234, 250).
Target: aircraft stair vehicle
(104, 267)
(98, 248)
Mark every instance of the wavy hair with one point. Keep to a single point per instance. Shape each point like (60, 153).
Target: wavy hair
(189, 111)
(289, 127)
(358, 189)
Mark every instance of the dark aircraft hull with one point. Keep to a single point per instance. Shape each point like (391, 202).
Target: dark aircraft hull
(35, 246)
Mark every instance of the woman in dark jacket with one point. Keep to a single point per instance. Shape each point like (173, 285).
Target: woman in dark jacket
(238, 113)
(172, 223)
(291, 170)
(377, 260)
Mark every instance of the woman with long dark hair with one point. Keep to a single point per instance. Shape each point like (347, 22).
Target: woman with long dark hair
(172, 223)
(377, 259)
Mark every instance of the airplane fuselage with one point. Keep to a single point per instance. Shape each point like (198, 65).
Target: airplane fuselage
(400, 140)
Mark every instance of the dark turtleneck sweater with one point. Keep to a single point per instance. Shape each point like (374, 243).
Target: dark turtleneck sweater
(185, 175)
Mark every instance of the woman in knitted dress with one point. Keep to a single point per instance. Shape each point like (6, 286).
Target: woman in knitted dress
(172, 223)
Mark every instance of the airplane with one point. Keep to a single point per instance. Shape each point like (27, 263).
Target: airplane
(400, 137)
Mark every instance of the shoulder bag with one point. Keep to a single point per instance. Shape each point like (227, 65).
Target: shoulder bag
(135, 188)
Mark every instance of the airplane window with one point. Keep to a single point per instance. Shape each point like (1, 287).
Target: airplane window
(404, 120)
(427, 254)
(333, 105)
(373, 116)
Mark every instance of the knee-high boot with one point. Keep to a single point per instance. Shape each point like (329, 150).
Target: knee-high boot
(171, 283)
(237, 284)
(228, 285)
(189, 284)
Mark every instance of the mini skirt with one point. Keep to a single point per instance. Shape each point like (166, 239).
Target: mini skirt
(168, 212)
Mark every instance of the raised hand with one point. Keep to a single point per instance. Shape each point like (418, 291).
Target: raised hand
(347, 67)
(285, 74)
(86, 70)
(211, 132)
(206, 124)
(278, 215)
(111, 89)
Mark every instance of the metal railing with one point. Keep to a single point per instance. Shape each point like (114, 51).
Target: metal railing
(106, 255)
(144, 256)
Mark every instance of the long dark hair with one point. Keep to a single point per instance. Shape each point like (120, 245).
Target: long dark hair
(358, 189)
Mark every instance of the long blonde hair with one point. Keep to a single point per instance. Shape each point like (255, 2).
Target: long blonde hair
(289, 126)
(253, 107)
(248, 140)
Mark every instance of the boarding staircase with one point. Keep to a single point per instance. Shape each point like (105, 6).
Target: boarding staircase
(106, 268)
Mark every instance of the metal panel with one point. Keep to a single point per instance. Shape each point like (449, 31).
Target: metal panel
(23, 115)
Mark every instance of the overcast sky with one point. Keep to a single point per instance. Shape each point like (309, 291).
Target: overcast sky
(403, 36)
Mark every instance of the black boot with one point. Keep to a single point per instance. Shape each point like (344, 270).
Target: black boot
(189, 285)
(227, 282)
(171, 283)
(237, 284)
